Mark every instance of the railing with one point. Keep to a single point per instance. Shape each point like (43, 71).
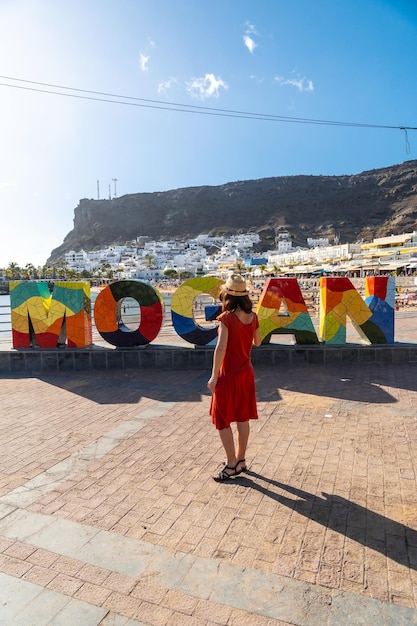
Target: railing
(5, 323)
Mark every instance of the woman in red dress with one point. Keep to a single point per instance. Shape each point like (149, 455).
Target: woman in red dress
(232, 381)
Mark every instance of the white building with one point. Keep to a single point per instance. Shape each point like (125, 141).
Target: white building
(283, 242)
(75, 258)
(318, 256)
(284, 245)
(317, 243)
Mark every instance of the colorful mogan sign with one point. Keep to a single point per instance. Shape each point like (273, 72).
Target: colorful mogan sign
(45, 320)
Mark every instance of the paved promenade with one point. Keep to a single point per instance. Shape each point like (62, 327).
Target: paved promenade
(109, 515)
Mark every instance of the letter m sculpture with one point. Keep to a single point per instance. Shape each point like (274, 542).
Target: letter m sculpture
(45, 320)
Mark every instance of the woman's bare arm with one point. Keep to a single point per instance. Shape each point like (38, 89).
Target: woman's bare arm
(257, 338)
(219, 352)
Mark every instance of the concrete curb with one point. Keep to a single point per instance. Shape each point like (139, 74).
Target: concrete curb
(174, 357)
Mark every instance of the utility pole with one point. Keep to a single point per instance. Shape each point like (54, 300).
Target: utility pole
(115, 192)
(109, 192)
(98, 190)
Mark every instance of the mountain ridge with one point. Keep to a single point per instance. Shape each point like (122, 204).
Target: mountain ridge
(371, 204)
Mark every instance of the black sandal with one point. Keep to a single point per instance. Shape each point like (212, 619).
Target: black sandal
(243, 469)
(224, 475)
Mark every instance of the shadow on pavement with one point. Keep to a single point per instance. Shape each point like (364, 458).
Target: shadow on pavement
(371, 384)
(356, 383)
(392, 539)
(130, 386)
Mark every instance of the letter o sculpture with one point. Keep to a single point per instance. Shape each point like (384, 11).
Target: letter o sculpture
(182, 309)
(151, 308)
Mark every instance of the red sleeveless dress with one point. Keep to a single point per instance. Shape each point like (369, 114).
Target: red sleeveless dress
(234, 398)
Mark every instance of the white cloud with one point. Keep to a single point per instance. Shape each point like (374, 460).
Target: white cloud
(205, 87)
(248, 40)
(143, 61)
(249, 43)
(144, 58)
(166, 85)
(302, 84)
(251, 28)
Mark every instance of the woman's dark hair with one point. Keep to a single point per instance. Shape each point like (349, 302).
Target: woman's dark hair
(231, 303)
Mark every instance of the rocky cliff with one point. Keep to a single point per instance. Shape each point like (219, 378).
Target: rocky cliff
(362, 206)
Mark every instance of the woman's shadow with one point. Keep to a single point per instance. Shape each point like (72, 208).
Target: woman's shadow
(393, 539)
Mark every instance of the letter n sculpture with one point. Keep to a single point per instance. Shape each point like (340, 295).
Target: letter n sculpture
(373, 318)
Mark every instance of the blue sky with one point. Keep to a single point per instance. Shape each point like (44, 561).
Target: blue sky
(189, 64)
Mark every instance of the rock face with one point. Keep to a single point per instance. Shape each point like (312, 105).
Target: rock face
(372, 204)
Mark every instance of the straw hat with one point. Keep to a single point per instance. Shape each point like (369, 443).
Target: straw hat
(235, 285)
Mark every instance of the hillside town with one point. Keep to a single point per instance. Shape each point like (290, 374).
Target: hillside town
(146, 259)
(204, 255)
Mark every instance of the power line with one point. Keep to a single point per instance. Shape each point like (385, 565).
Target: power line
(183, 108)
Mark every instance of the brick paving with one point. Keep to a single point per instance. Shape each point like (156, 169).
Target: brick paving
(108, 510)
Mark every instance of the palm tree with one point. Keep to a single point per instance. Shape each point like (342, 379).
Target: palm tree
(13, 271)
(47, 271)
(61, 273)
(107, 270)
(28, 271)
(64, 269)
(72, 274)
(239, 267)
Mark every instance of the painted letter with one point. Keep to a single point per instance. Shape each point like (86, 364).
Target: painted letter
(182, 309)
(151, 309)
(373, 318)
(51, 319)
(294, 321)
